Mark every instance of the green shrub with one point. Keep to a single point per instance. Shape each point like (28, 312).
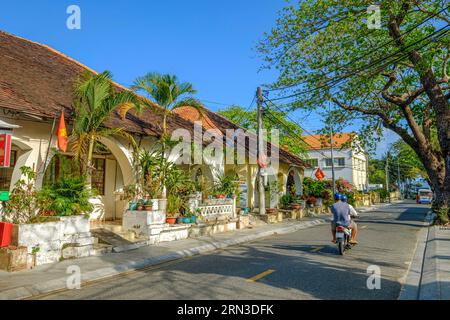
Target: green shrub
(23, 205)
(286, 200)
(68, 196)
(383, 194)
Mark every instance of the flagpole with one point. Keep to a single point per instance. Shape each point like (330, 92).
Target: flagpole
(49, 144)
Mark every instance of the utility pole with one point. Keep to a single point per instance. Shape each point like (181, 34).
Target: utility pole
(387, 174)
(332, 161)
(260, 152)
(367, 172)
(398, 179)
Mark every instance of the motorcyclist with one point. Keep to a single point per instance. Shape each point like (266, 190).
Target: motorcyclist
(353, 214)
(341, 214)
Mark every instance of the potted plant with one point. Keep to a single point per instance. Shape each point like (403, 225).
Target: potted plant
(190, 217)
(286, 200)
(174, 204)
(270, 210)
(140, 204)
(148, 205)
(130, 193)
(225, 186)
(179, 219)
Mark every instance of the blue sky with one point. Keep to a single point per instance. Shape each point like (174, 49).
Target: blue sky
(209, 43)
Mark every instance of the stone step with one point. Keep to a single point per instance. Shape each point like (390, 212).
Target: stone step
(100, 249)
(106, 236)
(72, 252)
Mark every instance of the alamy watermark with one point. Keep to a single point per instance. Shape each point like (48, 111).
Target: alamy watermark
(73, 281)
(73, 22)
(374, 18)
(233, 147)
(374, 280)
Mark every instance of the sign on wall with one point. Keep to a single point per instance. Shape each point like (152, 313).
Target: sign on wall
(5, 150)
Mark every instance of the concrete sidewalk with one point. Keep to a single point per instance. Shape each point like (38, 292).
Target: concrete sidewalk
(52, 277)
(435, 282)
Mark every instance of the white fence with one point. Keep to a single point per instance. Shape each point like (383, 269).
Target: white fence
(214, 207)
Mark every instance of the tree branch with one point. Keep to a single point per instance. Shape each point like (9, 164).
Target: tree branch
(403, 100)
(430, 13)
(387, 122)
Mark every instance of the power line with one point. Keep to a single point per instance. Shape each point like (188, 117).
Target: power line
(274, 120)
(370, 52)
(333, 82)
(313, 136)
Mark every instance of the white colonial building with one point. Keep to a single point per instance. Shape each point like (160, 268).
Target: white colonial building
(350, 160)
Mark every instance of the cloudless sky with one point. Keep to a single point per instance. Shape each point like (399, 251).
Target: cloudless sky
(209, 43)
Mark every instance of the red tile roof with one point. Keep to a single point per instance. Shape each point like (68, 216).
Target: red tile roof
(340, 140)
(39, 80)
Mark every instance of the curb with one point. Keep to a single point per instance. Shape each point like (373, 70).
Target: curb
(430, 288)
(47, 287)
(411, 288)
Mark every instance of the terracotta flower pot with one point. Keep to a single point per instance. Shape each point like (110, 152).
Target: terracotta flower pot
(295, 206)
(140, 207)
(148, 207)
(171, 220)
(270, 210)
(220, 196)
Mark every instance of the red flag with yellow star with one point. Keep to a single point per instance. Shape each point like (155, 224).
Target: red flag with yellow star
(62, 134)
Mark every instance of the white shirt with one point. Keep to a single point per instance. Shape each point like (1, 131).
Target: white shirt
(353, 212)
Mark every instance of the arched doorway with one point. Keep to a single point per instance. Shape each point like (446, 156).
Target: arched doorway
(294, 184)
(111, 172)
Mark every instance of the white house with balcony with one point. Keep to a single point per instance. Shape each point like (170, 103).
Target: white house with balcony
(350, 160)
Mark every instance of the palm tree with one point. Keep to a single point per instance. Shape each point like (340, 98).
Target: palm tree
(95, 100)
(169, 93)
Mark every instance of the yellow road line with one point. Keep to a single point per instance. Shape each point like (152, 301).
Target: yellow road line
(316, 249)
(261, 275)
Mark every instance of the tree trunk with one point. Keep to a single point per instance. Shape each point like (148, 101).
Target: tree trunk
(163, 155)
(438, 172)
(89, 164)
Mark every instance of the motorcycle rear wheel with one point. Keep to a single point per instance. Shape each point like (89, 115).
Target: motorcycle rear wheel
(341, 247)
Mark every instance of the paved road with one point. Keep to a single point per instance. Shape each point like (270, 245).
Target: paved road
(300, 265)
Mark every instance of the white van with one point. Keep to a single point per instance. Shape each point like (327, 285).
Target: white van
(424, 196)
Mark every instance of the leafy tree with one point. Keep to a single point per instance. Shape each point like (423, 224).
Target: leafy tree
(410, 165)
(393, 76)
(289, 133)
(377, 172)
(95, 101)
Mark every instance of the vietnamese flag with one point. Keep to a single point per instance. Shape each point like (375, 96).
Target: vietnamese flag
(319, 174)
(62, 134)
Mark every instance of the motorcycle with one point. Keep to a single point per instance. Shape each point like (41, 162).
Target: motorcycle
(343, 235)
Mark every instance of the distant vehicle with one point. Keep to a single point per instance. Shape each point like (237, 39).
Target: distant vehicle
(424, 196)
